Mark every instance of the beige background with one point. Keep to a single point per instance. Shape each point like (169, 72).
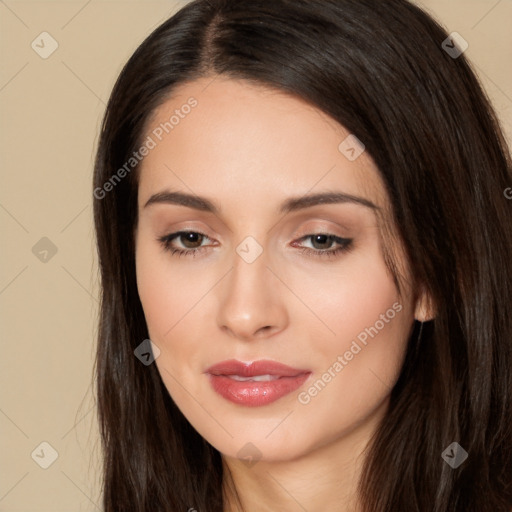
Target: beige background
(51, 112)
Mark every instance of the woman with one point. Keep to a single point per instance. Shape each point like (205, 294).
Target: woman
(304, 245)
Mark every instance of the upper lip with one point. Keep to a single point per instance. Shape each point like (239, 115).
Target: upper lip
(261, 367)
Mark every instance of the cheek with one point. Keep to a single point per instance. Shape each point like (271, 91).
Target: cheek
(171, 301)
(155, 296)
(165, 296)
(350, 297)
(365, 327)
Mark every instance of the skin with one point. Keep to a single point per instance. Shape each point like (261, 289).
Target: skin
(248, 149)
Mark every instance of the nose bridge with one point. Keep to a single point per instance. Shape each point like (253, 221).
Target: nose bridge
(250, 267)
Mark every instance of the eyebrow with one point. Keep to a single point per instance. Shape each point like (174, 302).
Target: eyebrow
(290, 205)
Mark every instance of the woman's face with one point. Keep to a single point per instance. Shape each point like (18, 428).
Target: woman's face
(253, 281)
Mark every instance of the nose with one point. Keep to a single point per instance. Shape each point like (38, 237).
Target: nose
(251, 302)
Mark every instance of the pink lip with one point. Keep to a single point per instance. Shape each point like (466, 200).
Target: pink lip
(255, 393)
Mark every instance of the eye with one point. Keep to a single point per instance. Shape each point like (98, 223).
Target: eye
(192, 244)
(191, 240)
(325, 239)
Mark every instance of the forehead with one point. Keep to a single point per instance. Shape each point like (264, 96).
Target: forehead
(235, 140)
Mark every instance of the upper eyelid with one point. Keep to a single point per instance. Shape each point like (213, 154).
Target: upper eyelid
(347, 228)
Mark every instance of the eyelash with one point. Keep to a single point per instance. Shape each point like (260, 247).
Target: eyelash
(345, 245)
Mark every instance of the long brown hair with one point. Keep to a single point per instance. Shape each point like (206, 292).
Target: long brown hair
(379, 69)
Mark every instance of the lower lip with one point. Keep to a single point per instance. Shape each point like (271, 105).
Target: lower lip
(253, 393)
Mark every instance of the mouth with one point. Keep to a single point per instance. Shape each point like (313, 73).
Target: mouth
(255, 384)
